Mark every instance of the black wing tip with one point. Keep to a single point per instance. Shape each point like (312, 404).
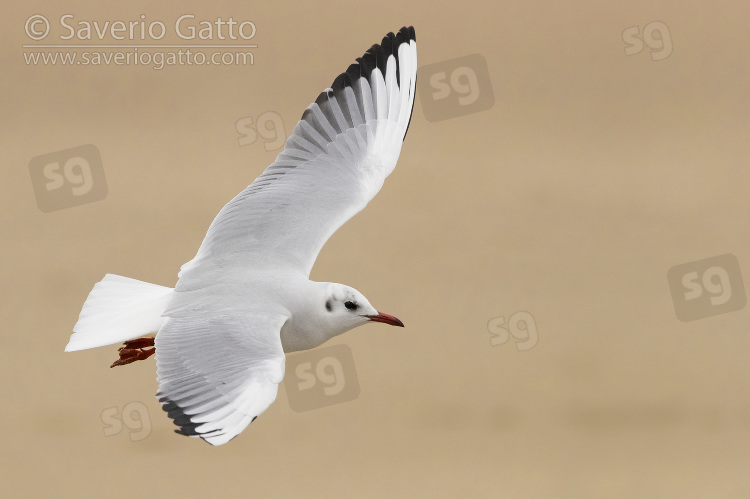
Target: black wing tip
(185, 425)
(324, 96)
(406, 34)
(392, 41)
(177, 414)
(342, 81)
(375, 57)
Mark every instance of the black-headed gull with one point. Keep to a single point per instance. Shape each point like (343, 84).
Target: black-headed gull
(246, 297)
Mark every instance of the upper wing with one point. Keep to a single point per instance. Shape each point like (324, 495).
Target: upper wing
(333, 164)
(218, 372)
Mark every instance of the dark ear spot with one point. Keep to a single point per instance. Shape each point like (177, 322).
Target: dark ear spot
(329, 305)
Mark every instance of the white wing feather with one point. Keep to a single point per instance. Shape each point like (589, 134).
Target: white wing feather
(218, 373)
(219, 364)
(333, 164)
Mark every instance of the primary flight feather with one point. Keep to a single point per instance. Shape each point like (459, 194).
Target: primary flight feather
(246, 298)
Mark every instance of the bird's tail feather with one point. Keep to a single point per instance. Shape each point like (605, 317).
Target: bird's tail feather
(119, 309)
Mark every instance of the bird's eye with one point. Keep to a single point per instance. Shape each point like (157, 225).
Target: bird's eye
(350, 305)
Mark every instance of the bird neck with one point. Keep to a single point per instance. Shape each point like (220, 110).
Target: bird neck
(310, 325)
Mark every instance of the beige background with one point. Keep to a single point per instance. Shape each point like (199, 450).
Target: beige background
(592, 175)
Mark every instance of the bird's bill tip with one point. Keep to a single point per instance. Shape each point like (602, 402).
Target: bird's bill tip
(386, 319)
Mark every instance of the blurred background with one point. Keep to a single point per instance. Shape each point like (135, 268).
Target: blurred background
(564, 237)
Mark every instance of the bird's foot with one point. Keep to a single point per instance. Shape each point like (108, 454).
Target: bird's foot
(133, 350)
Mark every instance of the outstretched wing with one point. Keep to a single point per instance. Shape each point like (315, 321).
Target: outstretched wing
(218, 364)
(333, 164)
(218, 372)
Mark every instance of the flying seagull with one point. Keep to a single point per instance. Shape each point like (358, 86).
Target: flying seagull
(246, 298)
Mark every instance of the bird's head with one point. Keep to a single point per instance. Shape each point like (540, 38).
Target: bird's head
(347, 308)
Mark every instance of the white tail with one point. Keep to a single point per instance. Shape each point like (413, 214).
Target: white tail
(119, 309)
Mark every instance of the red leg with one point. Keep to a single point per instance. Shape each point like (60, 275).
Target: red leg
(139, 343)
(135, 350)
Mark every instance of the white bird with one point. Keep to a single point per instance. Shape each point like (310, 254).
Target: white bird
(246, 297)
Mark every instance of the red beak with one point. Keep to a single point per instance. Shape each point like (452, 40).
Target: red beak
(385, 319)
